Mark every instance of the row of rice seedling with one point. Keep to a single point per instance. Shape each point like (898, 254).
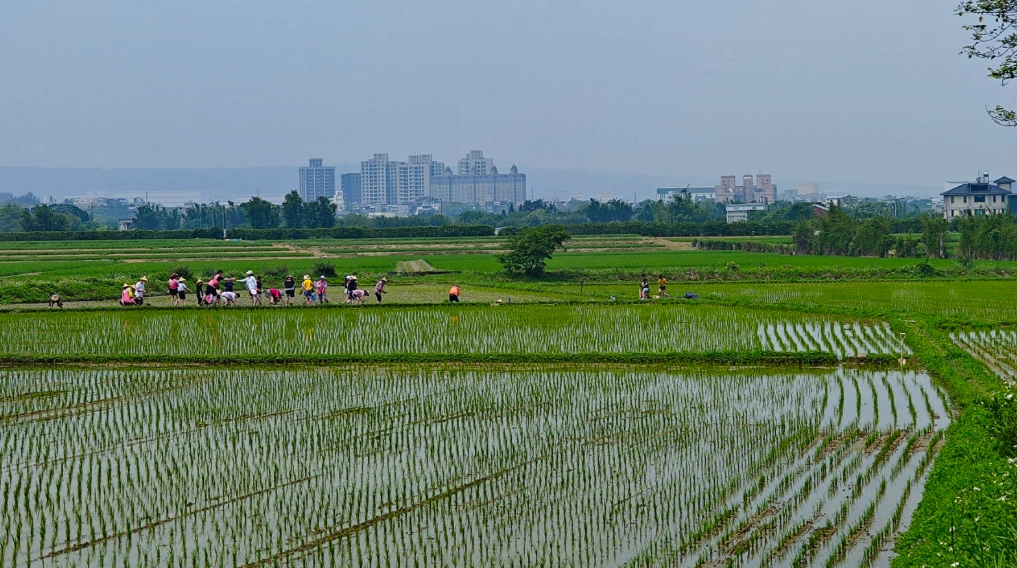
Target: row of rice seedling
(444, 331)
(996, 348)
(843, 339)
(443, 467)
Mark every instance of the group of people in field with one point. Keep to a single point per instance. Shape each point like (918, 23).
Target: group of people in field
(644, 288)
(225, 290)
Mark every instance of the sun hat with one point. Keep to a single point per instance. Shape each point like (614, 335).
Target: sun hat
(182, 280)
(127, 285)
(250, 273)
(322, 277)
(307, 277)
(144, 278)
(384, 279)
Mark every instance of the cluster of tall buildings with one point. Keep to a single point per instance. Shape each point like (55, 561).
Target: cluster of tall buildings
(385, 182)
(760, 190)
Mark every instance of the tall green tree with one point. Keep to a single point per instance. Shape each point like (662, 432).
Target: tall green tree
(42, 218)
(149, 217)
(293, 210)
(10, 218)
(872, 238)
(319, 214)
(261, 214)
(934, 230)
(532, 247)
(994, 38)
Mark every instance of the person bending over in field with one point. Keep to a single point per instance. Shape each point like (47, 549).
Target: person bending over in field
(351, 286)
(127, 295)
(55, 300)
(229, 297)
(358, 296)
(274, 296)
(453, 293)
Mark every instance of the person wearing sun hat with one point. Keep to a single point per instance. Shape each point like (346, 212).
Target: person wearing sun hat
(308, 287)
(181, 296)
(139, 291)
(290, 287)
(379, 288)
(127, 295)
(322, 287)
(252, 287)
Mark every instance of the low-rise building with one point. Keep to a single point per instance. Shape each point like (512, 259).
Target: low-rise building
(980, 197)
(696, 193)
(740, 211)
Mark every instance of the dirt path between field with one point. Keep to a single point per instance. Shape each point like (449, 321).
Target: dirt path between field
(314, 251)
(677, 245)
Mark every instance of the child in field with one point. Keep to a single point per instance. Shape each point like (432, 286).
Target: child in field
(644, 289)
(662, 286)
(290, 286)
(308, 288)
(181, 296)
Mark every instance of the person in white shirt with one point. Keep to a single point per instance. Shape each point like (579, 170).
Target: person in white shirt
(229, 297)
(181, 292)
(252, 287)
(139, 291)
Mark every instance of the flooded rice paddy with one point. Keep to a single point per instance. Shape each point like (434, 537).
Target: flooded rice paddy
(460, 466)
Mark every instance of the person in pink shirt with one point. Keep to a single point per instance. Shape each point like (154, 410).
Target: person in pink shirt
(274, 296)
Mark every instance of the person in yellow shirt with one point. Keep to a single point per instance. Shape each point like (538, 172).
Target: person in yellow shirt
(308, 288)
(662, 286)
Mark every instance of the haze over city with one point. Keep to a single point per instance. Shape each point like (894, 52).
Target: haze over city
(858, 93)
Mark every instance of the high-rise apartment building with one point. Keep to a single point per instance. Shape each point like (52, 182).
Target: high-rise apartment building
(384, 182)
(317, 181)
(479, 182)
(349, 185)
(758, 190)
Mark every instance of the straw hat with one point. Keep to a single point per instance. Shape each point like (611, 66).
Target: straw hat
(250, 273)
(144, 278)
(307, 277)
(127, 285)
(182, 280)
(384, 279)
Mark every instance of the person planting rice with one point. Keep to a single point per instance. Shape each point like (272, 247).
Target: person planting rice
(322, 287)
(181, 296)
(229, 297)
(290, 286)
(197, 292)
(453, 293)
(261, 289)
(139, 291)
(212, 287)
(308, 288)
(127, 295)
(359, 296)
(55, 300)
(351, 286)
(228, 284)
(379, 288)
(274, 296)
(252, 287)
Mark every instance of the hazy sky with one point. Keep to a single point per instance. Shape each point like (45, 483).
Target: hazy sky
(863, 91)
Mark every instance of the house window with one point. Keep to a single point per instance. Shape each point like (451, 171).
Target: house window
(979, 198)
(965, 199)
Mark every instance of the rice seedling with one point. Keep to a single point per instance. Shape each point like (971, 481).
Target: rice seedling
(422, 466)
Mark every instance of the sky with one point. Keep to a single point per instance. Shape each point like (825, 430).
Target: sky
(865, 91)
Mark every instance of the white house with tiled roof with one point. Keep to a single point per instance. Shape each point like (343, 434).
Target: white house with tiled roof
(981, 197)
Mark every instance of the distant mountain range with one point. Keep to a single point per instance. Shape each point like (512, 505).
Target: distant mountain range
(238, 184)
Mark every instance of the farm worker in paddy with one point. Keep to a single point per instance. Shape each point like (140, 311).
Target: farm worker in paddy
(139, 291)
(379, 288)
(453, 293)
(308, 288)
(252, 287)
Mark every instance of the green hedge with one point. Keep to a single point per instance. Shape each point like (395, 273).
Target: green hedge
(257, 234)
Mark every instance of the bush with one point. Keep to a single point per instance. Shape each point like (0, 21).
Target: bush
(321, 269)
(1003, 408)
(184, 272)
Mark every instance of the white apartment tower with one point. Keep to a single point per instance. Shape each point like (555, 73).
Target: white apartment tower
(474, 164)
(383, 182)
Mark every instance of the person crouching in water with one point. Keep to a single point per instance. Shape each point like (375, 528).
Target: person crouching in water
(453, 293)
(379, 288)
(55, 300)
(127, 295)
